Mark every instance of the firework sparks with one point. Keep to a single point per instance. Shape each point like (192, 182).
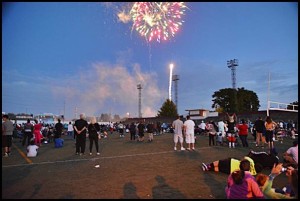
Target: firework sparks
(157, 20)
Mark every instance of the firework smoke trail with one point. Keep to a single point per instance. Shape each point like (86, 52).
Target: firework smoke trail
(150, 57)
(170, 82)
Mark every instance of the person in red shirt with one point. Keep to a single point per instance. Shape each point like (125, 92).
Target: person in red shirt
(243, 132)
(37, 133)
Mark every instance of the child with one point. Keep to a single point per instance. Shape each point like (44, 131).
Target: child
(150, 137)
(231, 140)
(219, 138)
(32, 149)
(59, 142)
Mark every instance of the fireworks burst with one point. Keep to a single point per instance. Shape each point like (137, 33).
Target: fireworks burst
(157, 20)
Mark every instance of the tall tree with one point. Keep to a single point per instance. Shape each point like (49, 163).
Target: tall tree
(232, 100)
(247, 100)
(168, 109)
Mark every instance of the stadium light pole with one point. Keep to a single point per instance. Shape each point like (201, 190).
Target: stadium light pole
(232, 64)
(139, 87)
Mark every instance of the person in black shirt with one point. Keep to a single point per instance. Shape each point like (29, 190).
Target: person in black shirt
(58, 129)
(141, 128)
(94, 134)
(150, 130)
(28, 133)
(259, 126)
(80, 127)
(132, 130)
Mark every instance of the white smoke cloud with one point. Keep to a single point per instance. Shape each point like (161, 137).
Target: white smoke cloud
(105, 88)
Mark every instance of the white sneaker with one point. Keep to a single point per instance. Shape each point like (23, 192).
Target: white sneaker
(182, 149)
(175, 148)
(98, 153)
(204, 167)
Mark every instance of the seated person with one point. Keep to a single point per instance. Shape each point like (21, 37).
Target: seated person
(265, 182)
(32, 149)
(59, 142)
(241, 184)
(290, 157)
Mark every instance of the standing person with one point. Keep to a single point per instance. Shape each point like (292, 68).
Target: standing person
(70, 129)
(231, 121)
(28, 133)
(32, 149)
(111, 127)
(7, 132)
(141, 128)
(242, 185)
(189, 127)
(94, 129)
(150, 130)
(178, 127)
(210, 126)
(202, 127)
(80, 127)
(222, 132)
(259, 125)
(58, 129)
(158, 126)
(132, 130)
(121, 129)
(270, 127)
(222, 127)
(37, 133)
(243, 132)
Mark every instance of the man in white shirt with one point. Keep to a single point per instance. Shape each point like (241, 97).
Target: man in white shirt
(189, 127)
(221, 126)
(202, 127)
(177, 126)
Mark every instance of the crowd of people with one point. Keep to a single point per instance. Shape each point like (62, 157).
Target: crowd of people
(245, 179)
